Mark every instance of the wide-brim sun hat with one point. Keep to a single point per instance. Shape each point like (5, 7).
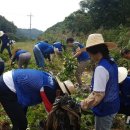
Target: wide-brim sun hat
(97, 39)
(122, 74)
(1, 33)
(66, 86)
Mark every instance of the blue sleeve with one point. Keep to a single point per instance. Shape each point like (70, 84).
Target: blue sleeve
(49, 50)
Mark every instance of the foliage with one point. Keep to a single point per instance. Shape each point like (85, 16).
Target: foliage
(106, 13)
(7, 26)
(70, 65)
(35, 115)
(78, 21)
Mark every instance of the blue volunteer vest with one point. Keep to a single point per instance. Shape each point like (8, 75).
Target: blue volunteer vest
(84, 55)
(28, 83)
(4, 40)
(19, 52)
(125, 92)
(45, 48)
(110, 104)
(58, 45)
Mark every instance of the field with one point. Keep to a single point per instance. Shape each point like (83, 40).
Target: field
(37, 113)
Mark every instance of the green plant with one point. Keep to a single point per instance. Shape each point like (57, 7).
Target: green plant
(70, 65)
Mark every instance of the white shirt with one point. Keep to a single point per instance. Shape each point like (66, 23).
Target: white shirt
(101, 77)
(8, 79)
(37, 47)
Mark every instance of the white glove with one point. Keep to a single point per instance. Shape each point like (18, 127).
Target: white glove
(56, 50)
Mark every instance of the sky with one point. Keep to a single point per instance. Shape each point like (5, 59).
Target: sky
(45, 12)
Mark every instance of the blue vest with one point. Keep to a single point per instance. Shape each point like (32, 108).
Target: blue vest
(45, 48)
(110, 103)
(4, 40)
(28, 83)
(58, 45)
(18, 53)
(125, 92)
(84, 56)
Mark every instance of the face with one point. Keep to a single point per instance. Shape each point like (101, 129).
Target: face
(70, 44)
(95, 57)
(126, 56)
(59, 93)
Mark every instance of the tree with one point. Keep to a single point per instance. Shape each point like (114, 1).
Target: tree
(7, 26)
(107, 13)
(78, 21)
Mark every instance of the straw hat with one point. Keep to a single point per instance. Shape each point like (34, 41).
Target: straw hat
(66, 86)
(1, 33)
(97, 39)
(122, 74)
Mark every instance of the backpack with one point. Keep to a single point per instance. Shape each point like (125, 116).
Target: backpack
(65, 115)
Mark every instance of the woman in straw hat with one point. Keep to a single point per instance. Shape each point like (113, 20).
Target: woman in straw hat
(22, 88)
(104, 97)
(5, 43)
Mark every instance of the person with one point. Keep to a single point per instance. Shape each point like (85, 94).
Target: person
(59, 46)
(22, 88)
(43, 50)
(22, 56)
(58, 49)
(124, 86)
(82, 57)
(2, 66)
(125, 53)
(104, 97)
(5, 43)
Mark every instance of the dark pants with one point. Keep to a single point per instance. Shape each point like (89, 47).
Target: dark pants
(14, 110)
(8, 49)
(47, 56)
(2, 66)
(124, 109)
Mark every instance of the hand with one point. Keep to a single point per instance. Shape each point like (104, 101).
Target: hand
(12, 63)
(82, 106)
(84, 112)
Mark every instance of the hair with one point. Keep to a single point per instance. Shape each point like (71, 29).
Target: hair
(69, 40)
(102, 48)
(46, 41)
(15, 50)
(124, 51)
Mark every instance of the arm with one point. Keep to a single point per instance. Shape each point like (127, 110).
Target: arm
(78, 52)
(101, 77)
(92, 100)
(45, 100)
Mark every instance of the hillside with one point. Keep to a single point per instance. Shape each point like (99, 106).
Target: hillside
(111, 18)
(16, 33)
(26, 33)
(7, 26)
